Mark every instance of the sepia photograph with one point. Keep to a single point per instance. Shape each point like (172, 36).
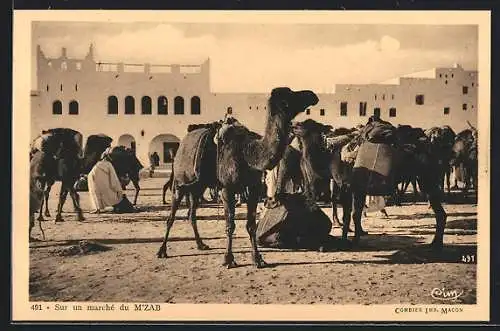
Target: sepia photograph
(295, 164)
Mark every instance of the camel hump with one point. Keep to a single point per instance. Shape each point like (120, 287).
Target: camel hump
(211, 126)
(235, 132)
(190, 156)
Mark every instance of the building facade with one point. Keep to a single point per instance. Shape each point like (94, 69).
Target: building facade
(148, 107)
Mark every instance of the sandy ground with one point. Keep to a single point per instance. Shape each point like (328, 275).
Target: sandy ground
(390, 266)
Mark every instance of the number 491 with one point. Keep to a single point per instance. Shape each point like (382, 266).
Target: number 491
(36, 307)
(468, 258)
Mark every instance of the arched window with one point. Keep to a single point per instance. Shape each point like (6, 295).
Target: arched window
(195, 105)
(179, 105)
(73, 107)
(146, 105)
(57, 107)
(112, 105)
(129, 105)
(162, 105)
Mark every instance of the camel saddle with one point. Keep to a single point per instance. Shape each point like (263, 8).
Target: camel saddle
(379, 132)
(373, 169)
(296, 223)
(188, 160)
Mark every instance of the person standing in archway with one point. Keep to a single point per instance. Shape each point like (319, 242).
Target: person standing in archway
(156, 159)
(151, 165)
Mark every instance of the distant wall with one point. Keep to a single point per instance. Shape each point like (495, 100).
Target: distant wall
(89, 85)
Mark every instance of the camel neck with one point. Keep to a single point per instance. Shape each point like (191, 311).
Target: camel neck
(274, 140)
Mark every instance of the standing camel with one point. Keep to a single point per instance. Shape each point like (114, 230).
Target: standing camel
(441, 140)
(94, 147)
(213, 127)
(235, 163)
(318, 163)
(56, 156)
(126, 165)
(464, 156)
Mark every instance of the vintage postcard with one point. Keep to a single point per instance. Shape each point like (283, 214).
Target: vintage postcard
(182, 166)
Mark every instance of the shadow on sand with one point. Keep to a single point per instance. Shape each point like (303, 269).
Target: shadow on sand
(419, 254)
(117, 241)
(408, 249)
(460, 224)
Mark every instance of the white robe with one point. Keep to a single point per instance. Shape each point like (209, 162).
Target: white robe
(104, 186)
(271, 178)
(272, 175)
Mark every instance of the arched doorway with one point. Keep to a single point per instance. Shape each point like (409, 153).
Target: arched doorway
(165, 145)
(127, 140)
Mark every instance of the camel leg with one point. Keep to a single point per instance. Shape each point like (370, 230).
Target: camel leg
(447, 179)
(434, 194)
(335, 216)
(475, 178)
(193, 201)
(229, 204)
(455, 181)
(213, 194)
(442, 177)
(347, 222)
(358, 205)
(333, 199)
(251, 226)
(32, 224)
(396, 196)
(46, 194)
(437, 207)
(137, 189)
(168, 185)
(415, 189)
(176, 200)
(466, 179)
(62, 199)
(346, 201)
(404, 186)
(76, 203)
(40, 215)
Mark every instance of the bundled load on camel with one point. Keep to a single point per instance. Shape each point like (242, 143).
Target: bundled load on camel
(192, 153)
(374, 159)
(374, 168)
(379, 132)
(296, 223)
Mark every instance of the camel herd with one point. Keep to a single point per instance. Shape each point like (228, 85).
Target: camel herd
(228, 158)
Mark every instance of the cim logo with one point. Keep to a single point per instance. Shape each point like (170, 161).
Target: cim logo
(445, 295)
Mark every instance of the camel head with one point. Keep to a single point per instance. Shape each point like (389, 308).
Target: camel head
(94, 147)
(310, 127)
(474, 130)
(290, 103)
(311, 132)
(433, 134)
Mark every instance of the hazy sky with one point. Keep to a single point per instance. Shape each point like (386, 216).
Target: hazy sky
(258, 57)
